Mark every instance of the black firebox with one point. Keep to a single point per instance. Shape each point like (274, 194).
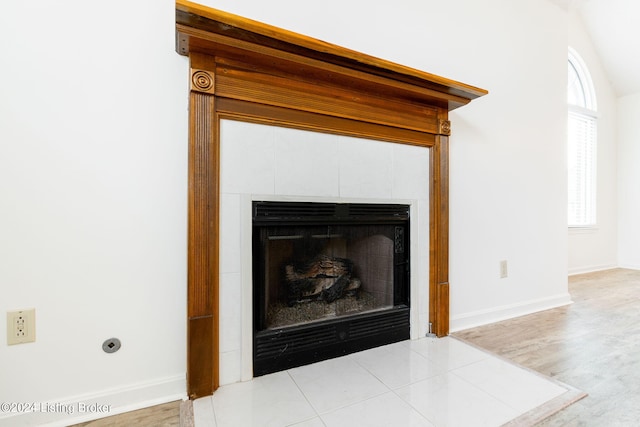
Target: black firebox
(329, 279)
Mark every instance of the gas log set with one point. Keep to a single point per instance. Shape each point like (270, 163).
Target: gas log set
(324, 278)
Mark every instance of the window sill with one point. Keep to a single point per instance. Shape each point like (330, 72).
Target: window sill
(587, 229)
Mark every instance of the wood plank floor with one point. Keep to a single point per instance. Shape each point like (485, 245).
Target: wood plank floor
(166, 415)
(593, 345)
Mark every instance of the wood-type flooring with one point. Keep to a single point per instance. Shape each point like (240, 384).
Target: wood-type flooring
(592, 344)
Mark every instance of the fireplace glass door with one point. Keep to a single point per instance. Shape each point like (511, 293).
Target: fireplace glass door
(327, 265)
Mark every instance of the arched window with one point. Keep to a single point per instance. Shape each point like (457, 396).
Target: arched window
(582, 138)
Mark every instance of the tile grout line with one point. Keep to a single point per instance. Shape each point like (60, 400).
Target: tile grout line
(305, 398)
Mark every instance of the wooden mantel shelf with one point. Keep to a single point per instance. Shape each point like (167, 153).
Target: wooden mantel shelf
(206, 30)
(245, 70)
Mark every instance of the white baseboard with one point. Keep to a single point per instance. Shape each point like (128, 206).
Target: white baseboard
(88, 407)
(497, 314)
(591, 269)
(629, 266)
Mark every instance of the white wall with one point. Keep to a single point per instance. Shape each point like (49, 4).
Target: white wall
(93, 172)
(508, 170)
(596, 248)
(629, 179)
(93, 196)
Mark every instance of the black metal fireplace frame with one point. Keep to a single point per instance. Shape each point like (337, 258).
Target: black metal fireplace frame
(287, 347)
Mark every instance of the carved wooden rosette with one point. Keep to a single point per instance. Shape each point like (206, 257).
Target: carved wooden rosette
(444, 127)
(202, 81)
(249, 71)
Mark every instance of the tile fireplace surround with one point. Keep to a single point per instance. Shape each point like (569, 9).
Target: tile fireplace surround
(260, 162)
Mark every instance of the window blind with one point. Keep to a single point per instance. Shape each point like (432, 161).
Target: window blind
(582, 169)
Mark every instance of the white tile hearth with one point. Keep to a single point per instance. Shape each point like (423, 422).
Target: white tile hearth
(424, 382)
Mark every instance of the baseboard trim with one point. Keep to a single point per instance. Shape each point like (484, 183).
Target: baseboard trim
(591, 269)
(497, 314)
(78, 409)
(629, 266)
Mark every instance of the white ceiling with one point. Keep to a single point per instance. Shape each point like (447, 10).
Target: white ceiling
(614, 27)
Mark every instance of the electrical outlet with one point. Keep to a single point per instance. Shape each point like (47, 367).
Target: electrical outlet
(503, 269)
(21, 326)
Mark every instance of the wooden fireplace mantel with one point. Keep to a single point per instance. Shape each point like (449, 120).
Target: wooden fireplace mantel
(245, 70)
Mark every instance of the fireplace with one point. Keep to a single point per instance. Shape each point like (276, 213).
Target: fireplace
(249, 71)
(328, 279)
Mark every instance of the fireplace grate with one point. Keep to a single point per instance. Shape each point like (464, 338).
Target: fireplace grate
(281, 349)
(319, 212)
(277, 211)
